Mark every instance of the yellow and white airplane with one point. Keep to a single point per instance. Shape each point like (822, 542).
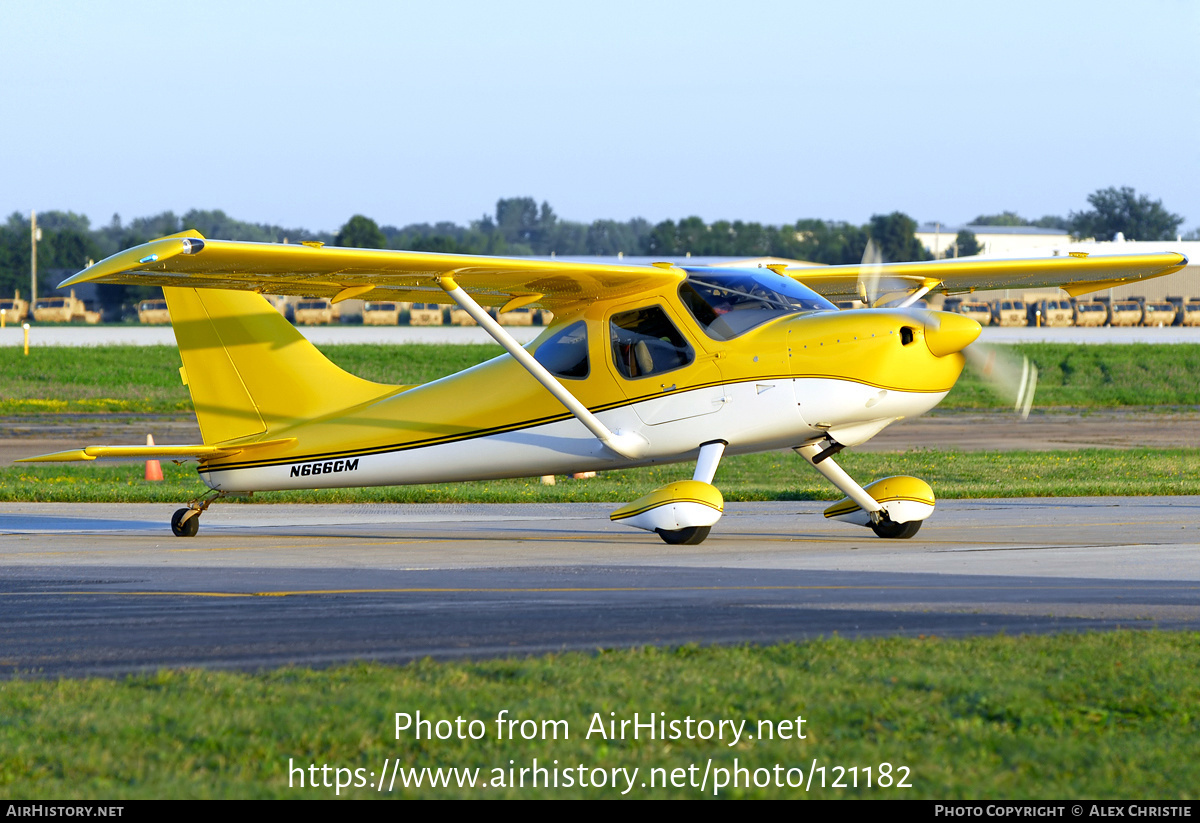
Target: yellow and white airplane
(642, 365)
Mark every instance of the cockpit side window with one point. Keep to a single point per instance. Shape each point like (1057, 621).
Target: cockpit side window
(729, 304)
(646, 342)
(565, 353)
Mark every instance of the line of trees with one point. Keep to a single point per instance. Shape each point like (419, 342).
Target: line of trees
(69, 243)
(521, 226)
(1113, 210)
(518, 227)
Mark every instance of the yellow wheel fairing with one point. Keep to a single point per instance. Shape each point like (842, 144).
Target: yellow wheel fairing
(684, 504)
(904, 498)
(691, 491)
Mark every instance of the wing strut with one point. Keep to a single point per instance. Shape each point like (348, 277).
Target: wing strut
(919, 293)
(626, 444)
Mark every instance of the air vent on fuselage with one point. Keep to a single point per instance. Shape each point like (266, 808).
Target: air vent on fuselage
(907, 335)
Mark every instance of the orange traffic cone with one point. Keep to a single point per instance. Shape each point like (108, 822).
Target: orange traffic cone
(153, 467)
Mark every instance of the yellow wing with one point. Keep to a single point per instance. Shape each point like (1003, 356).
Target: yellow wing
(1076, 275)
(187, 259)
(313, 270)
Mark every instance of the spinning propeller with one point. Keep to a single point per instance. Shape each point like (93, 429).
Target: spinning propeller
(869, 275)
(1009, 375)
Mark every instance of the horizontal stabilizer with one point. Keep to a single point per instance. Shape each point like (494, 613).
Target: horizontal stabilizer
(149, 452)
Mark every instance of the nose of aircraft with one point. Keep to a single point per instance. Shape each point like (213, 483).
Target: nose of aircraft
(946, 332)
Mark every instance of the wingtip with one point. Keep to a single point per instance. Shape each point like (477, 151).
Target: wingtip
(139, 257)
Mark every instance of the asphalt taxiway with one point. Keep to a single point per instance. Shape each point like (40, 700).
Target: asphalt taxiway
(106, 589)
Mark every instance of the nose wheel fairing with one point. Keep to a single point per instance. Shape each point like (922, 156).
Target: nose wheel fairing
(904, 499)
(892, 507)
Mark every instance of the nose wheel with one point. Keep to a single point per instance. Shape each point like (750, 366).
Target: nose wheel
(896, 531)
(692, 536)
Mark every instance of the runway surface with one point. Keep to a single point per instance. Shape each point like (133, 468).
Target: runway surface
(106, 589)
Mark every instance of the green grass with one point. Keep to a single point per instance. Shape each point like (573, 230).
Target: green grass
(768, 476)
(1100, 376)
(100, 379)
(1110, 715)
(145, 379)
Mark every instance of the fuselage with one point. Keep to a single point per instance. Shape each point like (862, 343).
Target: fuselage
(651, 366)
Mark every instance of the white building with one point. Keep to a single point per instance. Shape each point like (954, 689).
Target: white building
(996, 241)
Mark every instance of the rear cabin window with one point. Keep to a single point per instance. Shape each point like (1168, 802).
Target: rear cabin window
(646, 342)
(565, 353)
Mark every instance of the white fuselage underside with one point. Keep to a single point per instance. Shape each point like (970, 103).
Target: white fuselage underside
(752, 416)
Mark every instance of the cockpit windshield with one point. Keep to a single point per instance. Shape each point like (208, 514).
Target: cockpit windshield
(728, 304)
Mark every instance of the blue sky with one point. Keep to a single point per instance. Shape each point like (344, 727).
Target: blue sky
(303, 113)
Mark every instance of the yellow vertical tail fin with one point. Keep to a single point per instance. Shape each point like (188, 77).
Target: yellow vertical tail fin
(249, 371)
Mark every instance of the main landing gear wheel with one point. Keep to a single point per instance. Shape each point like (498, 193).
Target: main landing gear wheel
(896, 531)
(684, 537)
(185, 528)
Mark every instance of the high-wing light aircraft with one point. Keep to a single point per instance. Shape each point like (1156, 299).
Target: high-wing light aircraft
(642, 365)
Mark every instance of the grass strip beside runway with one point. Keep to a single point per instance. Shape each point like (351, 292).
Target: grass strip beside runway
(1109, 715)
(769, 476)
(145, 379)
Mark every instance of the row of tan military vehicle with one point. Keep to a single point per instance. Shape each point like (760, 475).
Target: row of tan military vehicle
(47, 310)
(389, 313)
(1058, 312)
(322, 312)
(1174, 311)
